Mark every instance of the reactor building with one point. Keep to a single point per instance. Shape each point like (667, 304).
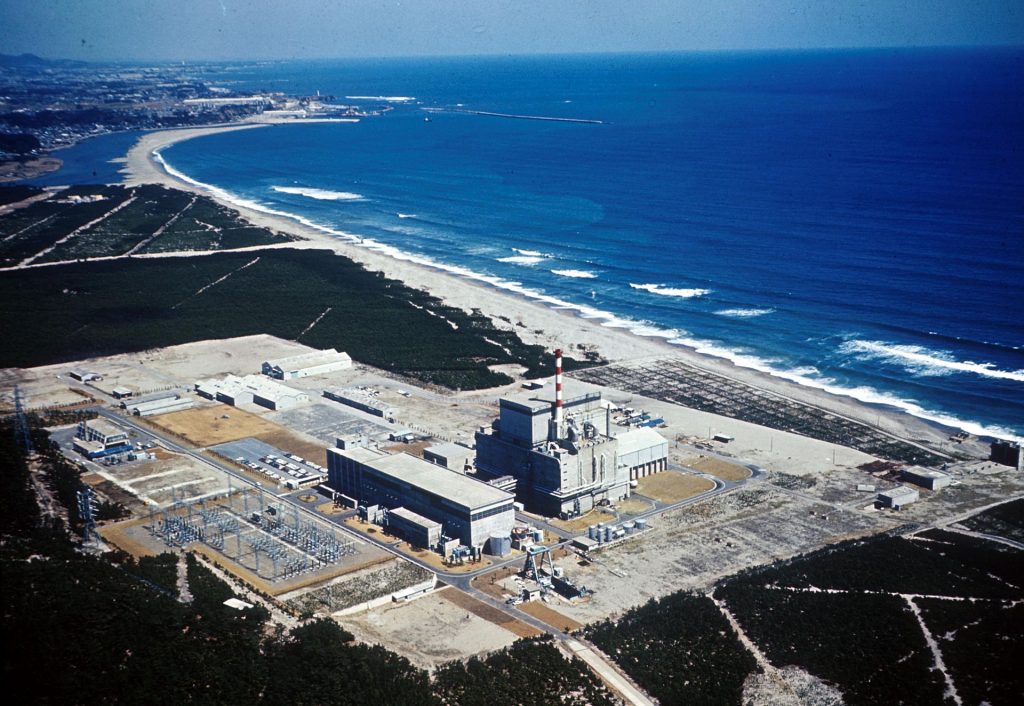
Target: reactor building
(562, 452)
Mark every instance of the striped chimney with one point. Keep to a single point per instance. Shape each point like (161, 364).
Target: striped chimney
(558, 386)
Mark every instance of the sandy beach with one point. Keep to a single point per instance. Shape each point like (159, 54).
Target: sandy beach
(535, 322)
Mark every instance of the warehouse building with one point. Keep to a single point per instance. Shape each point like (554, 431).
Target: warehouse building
(96, 438)
(306, 364)
(465, 508)
(562, 452)
(251, 389)
(926, 477)
(160, 406)
(898, 497)
(361, 400)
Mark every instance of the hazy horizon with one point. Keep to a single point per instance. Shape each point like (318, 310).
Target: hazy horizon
(255, 30)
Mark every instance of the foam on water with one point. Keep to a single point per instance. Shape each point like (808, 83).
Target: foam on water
(576, 274)
(386, 99)
(670, 291)
(922, 361)
(522, 259)
(318, 194)
(744, 313)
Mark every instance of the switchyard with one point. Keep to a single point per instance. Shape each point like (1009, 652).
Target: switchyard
(671, 380)
(262, 536)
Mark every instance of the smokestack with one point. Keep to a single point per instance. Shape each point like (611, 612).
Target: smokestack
(558, 388)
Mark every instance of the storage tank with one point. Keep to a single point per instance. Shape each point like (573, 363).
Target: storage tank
(499, 545)
(608, 533)
(628, 526)
(592, 532)
(641, 524)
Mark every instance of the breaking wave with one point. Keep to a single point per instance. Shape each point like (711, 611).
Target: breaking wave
(744, 313)
(922, 361)
(578, 274)
(318, 194)
(670, 291)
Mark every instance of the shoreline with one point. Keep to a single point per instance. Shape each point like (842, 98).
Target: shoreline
(548, 324)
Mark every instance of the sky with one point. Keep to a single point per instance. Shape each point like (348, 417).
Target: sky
(191, 30)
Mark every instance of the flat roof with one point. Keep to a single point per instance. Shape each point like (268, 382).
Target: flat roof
(638, 439)
(361, 454)
(410, 516)
(434, 479)
(309, 359)
(899, 492)
(925, 472)
(536, 404)
(104, 427)
(449, 449)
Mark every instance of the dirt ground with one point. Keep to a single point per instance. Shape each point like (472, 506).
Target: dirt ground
(208, 426)
(552, 617)
(432, 630)
(718, 468)
(671, 487)
(489, 613)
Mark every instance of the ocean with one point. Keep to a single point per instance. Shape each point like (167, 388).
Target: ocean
(847, 220)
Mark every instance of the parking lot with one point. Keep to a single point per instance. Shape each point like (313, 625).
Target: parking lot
(328, 420)
(276, 466)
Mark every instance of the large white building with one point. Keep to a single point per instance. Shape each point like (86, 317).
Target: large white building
(251, 389)
(466, 508)
(306, 364)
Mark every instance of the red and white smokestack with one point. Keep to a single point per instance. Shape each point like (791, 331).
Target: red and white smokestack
(558, 387)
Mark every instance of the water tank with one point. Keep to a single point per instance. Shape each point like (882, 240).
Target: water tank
(499, 545)
(592, 532)
(607, 533)
(628, 526)
(641, 524)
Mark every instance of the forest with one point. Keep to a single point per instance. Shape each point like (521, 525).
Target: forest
(80, 628)
(680, 649)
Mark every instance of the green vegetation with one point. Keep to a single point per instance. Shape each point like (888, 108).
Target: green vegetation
(680, 649)
(531, 671)
(161, 570)
(980, 644)
(1006, 520)
(101, 308)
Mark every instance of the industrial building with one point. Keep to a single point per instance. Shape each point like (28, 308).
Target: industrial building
(562, 452)
(306, 364)
(1007, 453)
(163, 404)
(465, 508)
(251, 389)
(96, 438)
(84, 375)
(454, 457)
(358, 399)
(926, 477)
(898, 497)
(416, 529)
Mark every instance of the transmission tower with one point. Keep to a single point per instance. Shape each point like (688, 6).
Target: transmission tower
(86, 499)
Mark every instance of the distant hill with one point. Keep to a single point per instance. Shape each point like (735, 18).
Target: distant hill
(31, 60)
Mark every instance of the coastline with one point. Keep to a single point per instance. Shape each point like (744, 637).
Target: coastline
(534, 321)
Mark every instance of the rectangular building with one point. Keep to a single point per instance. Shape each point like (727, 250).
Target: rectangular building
(307, 364)
(898, 497)
(465, 507)
(454, 457)
(357, 399)
(416, 529)
(96, 438)
(252, 389)
(926, 477)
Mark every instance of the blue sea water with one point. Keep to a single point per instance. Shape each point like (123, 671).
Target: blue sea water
(849, 220)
